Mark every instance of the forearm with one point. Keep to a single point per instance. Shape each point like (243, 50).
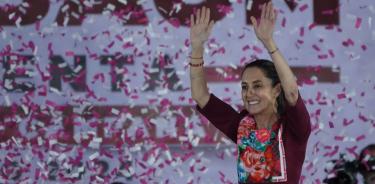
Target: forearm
(285, 73)
(199, 90)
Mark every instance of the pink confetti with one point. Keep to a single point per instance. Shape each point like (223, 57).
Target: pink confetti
(363, 118)
(221, 50)
(322, 56)
(257, 49)
(310, 166)
(224, 9)
(127, 45)
(303, 7)
(301, 31)
(331, 124)
(341, 96)
(334, 152)
(358, 22)
(283, 22)
(364, 47)
(174, 22)
(339, 138)
(69, 53)
(347, 122)
(348, 43)
(311, 26)
(352, 151)
(361, 137)
(50, 51)
(110, 45)
(187, 43)
(316, 47)
(331, 53)
(246, 47)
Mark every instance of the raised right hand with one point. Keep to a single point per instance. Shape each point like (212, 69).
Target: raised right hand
(200, 27)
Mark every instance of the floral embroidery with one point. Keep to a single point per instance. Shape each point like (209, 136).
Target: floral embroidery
(253, 142)
(263, 135)
(259, 157)
(244, 129)
(255, 163)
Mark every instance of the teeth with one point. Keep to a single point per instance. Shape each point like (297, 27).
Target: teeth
(253, 102)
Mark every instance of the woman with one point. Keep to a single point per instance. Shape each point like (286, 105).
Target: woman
(272, 131)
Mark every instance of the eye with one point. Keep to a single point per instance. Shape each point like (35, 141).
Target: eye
(244, 87)
(256, 86)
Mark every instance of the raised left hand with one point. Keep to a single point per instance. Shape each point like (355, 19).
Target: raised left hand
(264, 29)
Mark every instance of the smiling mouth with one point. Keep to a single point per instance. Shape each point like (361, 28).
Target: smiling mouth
(253, 102)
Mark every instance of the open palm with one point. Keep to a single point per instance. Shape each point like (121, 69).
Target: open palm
(200, 27)
(264, 29)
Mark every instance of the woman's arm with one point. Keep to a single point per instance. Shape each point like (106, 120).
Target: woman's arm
(264, 30)
(200, 30)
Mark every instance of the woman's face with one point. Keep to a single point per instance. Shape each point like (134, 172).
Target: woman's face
(258, 95)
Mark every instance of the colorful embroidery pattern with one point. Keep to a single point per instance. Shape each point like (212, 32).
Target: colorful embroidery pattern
(259, 153)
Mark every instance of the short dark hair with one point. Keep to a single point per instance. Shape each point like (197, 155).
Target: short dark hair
(269, 70)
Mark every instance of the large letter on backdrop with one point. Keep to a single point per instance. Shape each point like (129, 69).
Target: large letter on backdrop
(129, 12)
(117, 69)
(326, 12)
(18, 67)
(178, 13)
(9, 126)
(28, 12)
(76, 77)
(162, 75)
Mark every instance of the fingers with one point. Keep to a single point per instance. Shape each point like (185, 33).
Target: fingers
(274, 15)
(269, 10)
(198, 16)
(207, 19)
(203, 15)
(263, 13)
(192, 20)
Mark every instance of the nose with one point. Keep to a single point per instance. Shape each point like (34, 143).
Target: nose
(249, 92)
